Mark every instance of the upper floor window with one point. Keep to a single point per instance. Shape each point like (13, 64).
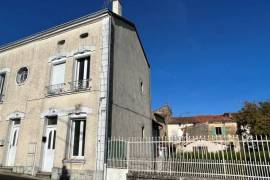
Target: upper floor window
(218, 131)
(57, 78)
(2, 83)
(141, 87)
(22, 75)
(82, 73)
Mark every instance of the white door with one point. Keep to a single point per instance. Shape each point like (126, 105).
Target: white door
(49, 149)
(13, 145)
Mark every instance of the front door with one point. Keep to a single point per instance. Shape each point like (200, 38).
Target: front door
(13, 140)
(49, 148)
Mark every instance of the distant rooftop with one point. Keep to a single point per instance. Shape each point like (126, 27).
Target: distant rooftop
(226, 117)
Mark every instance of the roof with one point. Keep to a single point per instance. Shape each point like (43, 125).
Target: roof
(201, 119)
(158, 118)
(69, 25)
(54, 30)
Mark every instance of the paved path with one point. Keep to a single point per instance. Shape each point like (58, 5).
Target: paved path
(7, 177)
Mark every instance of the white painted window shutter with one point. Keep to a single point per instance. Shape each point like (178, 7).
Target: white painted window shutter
(58, 74)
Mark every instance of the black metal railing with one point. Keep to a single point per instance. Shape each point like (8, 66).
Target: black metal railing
(56, 89)
(79, 85)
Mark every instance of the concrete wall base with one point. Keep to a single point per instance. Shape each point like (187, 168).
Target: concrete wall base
(141, 176)
(58, 173)
(116, 174)
(24, 170)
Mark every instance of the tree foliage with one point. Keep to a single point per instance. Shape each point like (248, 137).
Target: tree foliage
(255, 118)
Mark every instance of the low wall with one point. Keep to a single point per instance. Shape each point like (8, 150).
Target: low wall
(141, 176)
(116, 174)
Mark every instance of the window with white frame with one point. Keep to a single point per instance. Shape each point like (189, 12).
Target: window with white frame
(57, 78)
(2, 83)
(77, 140)
(82, 73)
(58, 73)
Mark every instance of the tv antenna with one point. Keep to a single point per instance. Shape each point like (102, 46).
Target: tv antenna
(106, 4)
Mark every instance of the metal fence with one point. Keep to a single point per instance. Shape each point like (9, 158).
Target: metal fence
(230, 157)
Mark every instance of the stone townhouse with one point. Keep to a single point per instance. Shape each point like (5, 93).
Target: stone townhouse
(66, 90)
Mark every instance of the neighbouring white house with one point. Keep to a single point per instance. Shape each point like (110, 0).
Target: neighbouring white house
(202, 133)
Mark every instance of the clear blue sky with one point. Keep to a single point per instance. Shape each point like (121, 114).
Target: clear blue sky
(207, 56)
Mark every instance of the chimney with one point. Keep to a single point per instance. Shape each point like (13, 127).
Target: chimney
(117, 7)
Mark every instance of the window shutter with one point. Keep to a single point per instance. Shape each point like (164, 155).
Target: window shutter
(58, 74)
(223, 131)
(213, 131)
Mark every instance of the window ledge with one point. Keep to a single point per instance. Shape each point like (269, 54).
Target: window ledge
(68, 93)
(79, 161)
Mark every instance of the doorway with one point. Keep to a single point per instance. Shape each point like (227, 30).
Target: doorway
(49, 146)
(13, 141)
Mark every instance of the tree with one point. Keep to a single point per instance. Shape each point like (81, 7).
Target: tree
(254, 118)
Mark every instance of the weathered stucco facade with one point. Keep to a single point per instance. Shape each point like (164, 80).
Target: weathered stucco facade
(202, 131)
(114, 99)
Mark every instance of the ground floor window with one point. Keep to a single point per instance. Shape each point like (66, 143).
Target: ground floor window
(78, 137)
(203, 149)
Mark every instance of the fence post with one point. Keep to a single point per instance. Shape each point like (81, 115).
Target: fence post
(223, 158)
(127, 154)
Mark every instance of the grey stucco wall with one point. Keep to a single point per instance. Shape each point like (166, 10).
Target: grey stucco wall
(130, 107)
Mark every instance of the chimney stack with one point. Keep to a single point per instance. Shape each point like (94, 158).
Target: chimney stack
(117, 7)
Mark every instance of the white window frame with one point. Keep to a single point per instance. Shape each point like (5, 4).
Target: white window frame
(2, 85)
(52, 68)
(71, 141)
(77, 67)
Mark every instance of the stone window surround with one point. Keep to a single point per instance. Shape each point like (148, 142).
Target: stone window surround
(81, 145)
(70, 113)
(69, 157)
(16, 115)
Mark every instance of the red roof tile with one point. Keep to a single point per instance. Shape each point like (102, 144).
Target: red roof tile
(200, 119)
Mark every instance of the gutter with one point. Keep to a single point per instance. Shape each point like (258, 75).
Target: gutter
(56, 30)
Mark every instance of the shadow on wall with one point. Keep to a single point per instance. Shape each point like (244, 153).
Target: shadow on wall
(64, 174)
